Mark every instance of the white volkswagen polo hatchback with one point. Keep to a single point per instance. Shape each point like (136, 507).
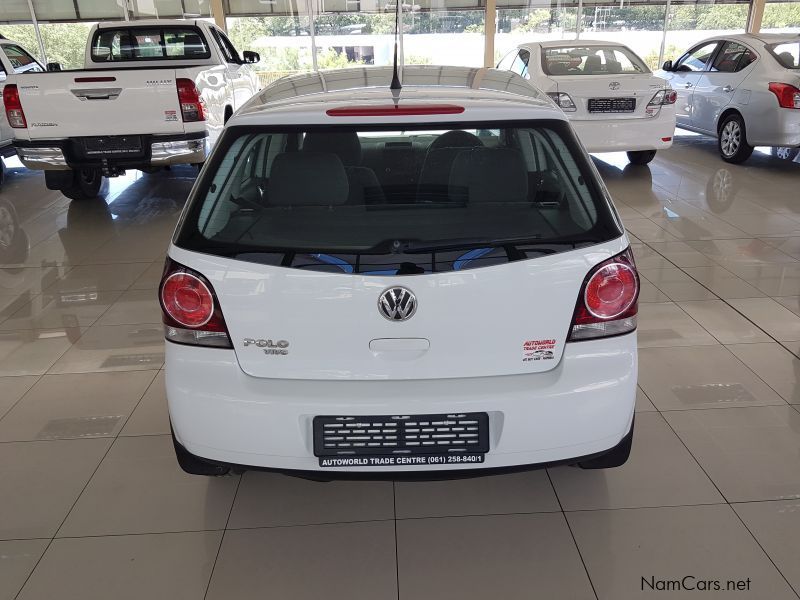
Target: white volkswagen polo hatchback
(612, 99)
(368, 281)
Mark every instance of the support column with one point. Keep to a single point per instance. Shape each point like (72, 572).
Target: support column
(218, 12)
(489, 30)
(756, 16)
(664, 36)
(579, 20)
(38, 33)
(313, 32)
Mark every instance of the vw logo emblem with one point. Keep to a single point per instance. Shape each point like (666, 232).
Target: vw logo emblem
(614, 85)
(397, 304)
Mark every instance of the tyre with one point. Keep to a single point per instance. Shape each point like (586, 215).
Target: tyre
(732, 140)
(194, 465)
(76, 184)
(616, 457)
(2, 171)
(641, 157)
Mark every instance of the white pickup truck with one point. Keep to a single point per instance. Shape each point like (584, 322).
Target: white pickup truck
(151, 94)
(13, 59)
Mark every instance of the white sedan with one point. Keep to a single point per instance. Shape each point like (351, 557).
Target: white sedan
(613, 101)
(373, 281)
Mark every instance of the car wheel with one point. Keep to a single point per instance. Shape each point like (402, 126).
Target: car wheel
(785, 153)
(641, 157)
(616, 457)
(194, 465)
(732, 140)
(85, 185)
(2, 171)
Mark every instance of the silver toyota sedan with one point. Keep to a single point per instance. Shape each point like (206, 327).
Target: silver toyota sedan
(742, 89)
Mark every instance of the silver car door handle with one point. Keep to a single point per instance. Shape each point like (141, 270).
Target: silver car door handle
(687, 85)
(727, 88)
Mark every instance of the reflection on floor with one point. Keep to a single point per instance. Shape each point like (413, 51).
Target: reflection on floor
(92, 504)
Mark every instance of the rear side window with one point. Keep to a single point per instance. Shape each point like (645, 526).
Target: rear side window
(787, 54)
(733, 57)
(20, 60)
(373, 200)
(148, 43)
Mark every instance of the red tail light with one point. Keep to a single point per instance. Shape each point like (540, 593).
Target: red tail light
(14, 112)
(607, 305)
(788, 95)
(190, 309)
(190, 100)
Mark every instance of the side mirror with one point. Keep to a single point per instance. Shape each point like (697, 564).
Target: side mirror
(251, 57)
(54, 66)
(667, 66)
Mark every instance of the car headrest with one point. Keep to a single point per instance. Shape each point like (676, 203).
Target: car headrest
(557, 67)
(490, 175)
(307, 179)
(787, 59)
(593, 64)
(455, 138)
(614, 66)
(344, 144)
(193, 45)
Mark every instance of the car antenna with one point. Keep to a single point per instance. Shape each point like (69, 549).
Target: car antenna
(396, 85)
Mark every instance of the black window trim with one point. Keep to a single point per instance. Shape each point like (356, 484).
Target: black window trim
(162, 29)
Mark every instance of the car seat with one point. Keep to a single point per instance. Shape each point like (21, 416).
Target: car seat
(486, 175)
(594, 64)
(308, 179)
(364, 185)
(434, 178)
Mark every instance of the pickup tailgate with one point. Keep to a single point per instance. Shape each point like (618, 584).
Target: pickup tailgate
(94, 103)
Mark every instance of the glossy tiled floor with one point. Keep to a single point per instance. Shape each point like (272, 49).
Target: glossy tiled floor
(93, 505)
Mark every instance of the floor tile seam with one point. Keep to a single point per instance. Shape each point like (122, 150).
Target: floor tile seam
(572, 535)
(66, 516)
(14, 405)
(769, 558)
(222, 537)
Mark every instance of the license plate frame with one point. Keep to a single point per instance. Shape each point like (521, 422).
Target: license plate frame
(113, 145)
(401, 440)
(623, 105)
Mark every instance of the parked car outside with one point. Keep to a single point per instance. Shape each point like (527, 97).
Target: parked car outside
(610, 97)
(742, 89)
(151, 94)
(425, 281)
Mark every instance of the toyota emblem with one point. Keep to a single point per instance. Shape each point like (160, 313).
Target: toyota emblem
(397, 304)
(614, 85)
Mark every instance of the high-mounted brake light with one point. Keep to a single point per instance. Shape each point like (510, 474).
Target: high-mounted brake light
(14, 112)
(399, 110)
(190, 101)
(788, 95)
(95, 79)
(607, 304)
(190, 309)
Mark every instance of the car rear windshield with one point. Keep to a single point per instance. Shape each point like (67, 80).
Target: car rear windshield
(373, 200)
(148, 43)
(787, 53)
(591, 60)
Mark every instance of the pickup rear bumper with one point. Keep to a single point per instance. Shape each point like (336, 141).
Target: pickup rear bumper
(152, 151)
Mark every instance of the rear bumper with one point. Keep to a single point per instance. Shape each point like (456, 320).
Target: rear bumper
(611, 135)
(582, 407)
(157, 151)
(775, 127)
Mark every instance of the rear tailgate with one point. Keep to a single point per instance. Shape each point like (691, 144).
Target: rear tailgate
(91, 102)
